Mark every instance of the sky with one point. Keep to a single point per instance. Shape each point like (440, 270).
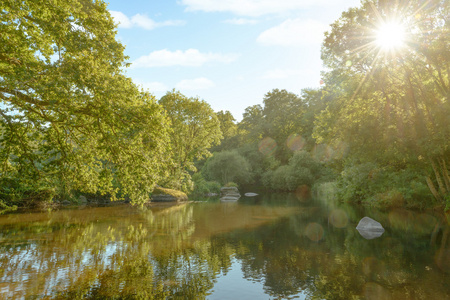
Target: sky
(229, 53)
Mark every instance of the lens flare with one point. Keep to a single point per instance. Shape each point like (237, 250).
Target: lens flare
(303, 193)
(338, 218)
(267, 146)
(322, 152)
(314, 232)
(295, 142)
(340, 150)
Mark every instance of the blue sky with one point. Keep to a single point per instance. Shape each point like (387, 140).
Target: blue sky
(227, 52)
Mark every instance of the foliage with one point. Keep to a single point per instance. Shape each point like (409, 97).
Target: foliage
(69, 119)
(250, 125)
(203, 187)
(228, 166)
(383, 186)
(231, 184)
(13, 193)
(301, 170)
(229, 130)
(391, 108)
(282, 117)
(195, 129)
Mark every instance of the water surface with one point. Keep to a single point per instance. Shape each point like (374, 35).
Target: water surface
(268, 247)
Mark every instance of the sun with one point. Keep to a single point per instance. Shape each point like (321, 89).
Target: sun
(390, 36)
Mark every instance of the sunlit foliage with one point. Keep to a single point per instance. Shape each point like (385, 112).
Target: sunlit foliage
(69, 118)
(391, 106)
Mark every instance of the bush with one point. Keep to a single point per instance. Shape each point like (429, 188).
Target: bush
(383, 187)
(301, 170)
(227, 166)
(203, 187)
(354, 184)
(231, 184)
(213, 187)
(14, 192)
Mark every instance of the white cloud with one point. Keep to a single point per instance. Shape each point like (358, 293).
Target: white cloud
(189, 58)
(241, 21)
(201, 83)
(294, 32)
(256, 7)
(153, 86)
(142, 21)
(121, 18)
(281, 73)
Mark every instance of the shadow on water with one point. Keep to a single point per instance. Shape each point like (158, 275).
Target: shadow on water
(285, 245)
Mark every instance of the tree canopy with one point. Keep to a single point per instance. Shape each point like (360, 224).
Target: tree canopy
(195, 129)
(391, 105)
(69, 118)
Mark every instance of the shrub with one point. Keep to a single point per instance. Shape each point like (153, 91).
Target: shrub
(301, 170)
(213, 187)
(227, 166)
(14, 192)
(203, 187)
(383, 187)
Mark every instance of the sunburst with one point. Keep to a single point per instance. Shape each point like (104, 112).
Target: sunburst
(390, 36)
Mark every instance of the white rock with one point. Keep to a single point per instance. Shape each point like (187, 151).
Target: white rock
(369, 228)
(251, 194)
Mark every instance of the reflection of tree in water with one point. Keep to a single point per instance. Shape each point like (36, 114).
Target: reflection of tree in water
(93, 259)
(179, 253)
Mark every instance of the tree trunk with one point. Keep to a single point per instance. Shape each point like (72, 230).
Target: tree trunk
(433, 189)
(445, 174)
(438, 179)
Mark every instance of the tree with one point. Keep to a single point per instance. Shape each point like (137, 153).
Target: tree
(250, 127)
(228, 166)
(227, 124)
(391, 106)
(283, 113)
(195, 129)
(229, 131)
(69, 118)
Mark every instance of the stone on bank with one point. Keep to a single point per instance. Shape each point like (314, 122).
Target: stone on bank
(161, 194)
(229, 193)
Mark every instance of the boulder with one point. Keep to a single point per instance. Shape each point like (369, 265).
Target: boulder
(66, 202)
(251, 194)
(369, 228)
(161, 194)
(229, 199)
(229, 194)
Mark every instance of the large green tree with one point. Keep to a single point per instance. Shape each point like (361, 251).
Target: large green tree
(228, 166)
(69, 118)
(283, 116)
(392, 104)
(195, 130)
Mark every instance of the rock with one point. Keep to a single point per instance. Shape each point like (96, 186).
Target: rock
(229, 199)
(230, 191)
(161, 194)
(66, 202)
(251, 194)
(228, 194)
(369, 228)
(82, 199)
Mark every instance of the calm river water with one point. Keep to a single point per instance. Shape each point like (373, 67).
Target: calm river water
(267, 247)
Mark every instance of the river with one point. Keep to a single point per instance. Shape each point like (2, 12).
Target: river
(273, 246)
